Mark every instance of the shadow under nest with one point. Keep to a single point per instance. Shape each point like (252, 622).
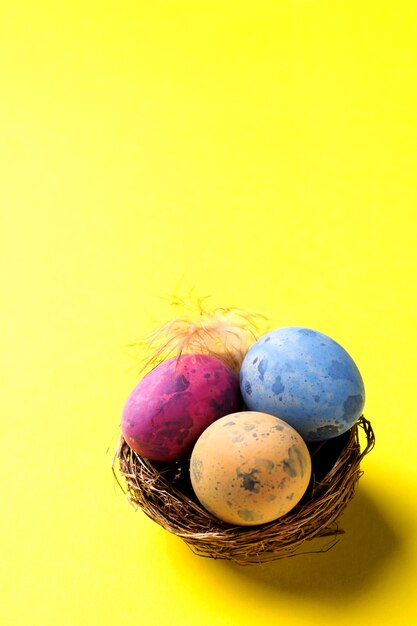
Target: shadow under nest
(163, 491)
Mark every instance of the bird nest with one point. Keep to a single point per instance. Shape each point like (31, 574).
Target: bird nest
(163, 491)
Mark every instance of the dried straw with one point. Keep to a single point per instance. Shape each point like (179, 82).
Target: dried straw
(164, 493)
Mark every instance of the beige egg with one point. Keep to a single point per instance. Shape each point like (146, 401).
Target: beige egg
(250, 468)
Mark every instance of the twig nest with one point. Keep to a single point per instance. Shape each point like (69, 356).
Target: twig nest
(182, 405)
(163, 491)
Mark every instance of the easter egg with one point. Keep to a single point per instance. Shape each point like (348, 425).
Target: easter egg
(249, 468)
(171, 406)
(305, 378)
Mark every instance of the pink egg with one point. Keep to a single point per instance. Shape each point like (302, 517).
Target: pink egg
(175, 402)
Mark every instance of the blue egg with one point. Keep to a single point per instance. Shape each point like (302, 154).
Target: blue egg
(305, 378)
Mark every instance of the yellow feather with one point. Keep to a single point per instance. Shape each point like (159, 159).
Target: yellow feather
(225, 333)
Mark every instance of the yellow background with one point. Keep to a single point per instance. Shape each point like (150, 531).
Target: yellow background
(263, 153)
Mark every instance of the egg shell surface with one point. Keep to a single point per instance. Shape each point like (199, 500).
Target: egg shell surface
(249, 468)
(171, 406)
(305, 378)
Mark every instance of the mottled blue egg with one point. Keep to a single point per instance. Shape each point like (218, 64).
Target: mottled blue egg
(305, 378)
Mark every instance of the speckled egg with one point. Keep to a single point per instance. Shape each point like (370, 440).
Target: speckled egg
(172, 405)
(305, 378)
(249, 468)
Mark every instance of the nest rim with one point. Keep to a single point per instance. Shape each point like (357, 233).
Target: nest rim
(162, 491)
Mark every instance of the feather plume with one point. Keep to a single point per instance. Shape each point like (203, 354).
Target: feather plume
(225, 333)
